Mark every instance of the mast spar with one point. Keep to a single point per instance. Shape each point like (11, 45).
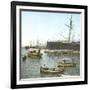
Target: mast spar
(70, 29)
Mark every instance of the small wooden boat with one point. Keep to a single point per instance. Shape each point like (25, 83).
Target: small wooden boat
(52, 70)
(65, 63)
(34, 53)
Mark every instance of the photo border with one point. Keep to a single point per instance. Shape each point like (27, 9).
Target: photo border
(14, 4)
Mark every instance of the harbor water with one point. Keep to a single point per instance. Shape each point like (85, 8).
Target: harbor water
(30, 68)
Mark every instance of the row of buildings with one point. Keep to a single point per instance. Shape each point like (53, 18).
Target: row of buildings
(61, 45)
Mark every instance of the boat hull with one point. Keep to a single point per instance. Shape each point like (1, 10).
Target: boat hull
(34, 55)
(68, 64)
(51, 71)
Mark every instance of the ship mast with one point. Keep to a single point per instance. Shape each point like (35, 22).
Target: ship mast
(70, 29)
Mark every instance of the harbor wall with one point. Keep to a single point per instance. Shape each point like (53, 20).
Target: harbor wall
(60, 45)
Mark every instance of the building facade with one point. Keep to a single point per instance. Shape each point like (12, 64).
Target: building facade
(60, 45)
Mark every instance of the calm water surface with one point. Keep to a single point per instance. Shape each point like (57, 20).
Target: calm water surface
(30, 68)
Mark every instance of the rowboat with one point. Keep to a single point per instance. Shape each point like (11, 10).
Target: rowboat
(67, 62)
(52, 70)
(34, 53)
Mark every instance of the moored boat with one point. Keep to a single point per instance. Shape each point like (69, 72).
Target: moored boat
(52, 70)
(67, 62)
(34, 53)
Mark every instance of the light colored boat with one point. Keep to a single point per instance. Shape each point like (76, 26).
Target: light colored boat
(34, 53)
(52, 70)
(67, 62)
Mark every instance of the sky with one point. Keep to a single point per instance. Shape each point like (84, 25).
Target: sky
(48, 26)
